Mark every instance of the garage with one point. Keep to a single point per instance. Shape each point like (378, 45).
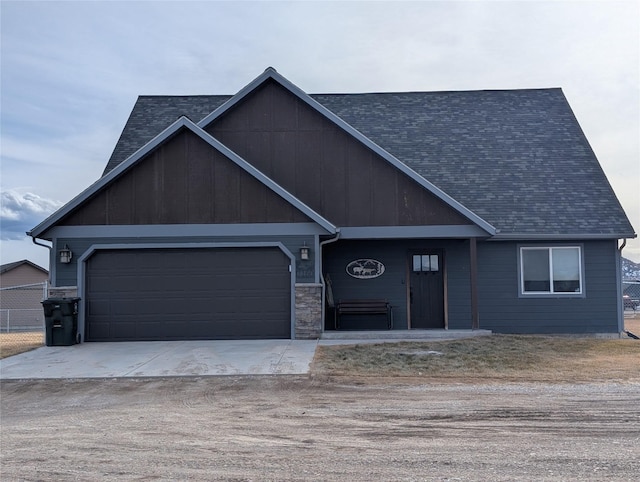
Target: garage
(187, 294)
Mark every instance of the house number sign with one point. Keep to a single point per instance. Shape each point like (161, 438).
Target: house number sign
(365, 268)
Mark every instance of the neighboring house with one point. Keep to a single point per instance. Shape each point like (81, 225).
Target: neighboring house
(21, 273)
(22, 288)
(223, 216)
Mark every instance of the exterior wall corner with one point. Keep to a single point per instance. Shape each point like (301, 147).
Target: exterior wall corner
(308, 303)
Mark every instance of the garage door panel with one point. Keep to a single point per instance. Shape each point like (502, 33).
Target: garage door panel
(162, 294)
(264, 305)
(125, 330)
(100, 330)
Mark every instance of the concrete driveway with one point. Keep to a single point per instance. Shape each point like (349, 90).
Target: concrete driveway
(162, 359)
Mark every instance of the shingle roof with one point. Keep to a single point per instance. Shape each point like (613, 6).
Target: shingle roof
(152, 114)
(516, 158)
(9, 266)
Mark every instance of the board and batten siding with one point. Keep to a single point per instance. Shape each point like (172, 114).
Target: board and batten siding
(503, 310)
(325, 167)
(66, 274)
(184, 181)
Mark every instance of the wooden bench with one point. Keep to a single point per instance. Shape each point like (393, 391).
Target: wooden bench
(363, 307)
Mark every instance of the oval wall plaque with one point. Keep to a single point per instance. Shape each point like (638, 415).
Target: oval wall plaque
(365, 268)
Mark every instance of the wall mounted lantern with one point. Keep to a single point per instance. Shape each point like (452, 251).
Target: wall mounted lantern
(304, 252)
(65, 255)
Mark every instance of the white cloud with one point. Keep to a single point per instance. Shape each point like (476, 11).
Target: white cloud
(21, 211)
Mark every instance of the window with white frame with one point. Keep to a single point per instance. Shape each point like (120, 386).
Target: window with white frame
(551, 270)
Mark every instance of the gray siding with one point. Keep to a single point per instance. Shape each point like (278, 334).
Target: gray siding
(66, 274)
(503, 311)
(458, 285)
(392, 285)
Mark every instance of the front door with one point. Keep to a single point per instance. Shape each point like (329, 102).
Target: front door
(426, 290)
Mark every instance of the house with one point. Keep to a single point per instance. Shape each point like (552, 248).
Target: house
(253, 215)
(22, 288)
(20, 273)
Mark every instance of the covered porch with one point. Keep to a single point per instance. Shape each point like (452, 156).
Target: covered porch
(429, 286)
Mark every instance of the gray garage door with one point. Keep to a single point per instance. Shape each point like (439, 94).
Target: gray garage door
(187, 294)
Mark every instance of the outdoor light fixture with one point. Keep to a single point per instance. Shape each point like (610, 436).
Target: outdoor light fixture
(304, 251)
(65, 255)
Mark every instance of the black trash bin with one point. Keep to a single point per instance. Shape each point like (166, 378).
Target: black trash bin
(61, 321)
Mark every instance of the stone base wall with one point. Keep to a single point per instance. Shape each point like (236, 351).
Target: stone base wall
(308, 324)
(63, 291)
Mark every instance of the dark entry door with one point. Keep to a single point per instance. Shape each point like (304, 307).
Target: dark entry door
(426, 290)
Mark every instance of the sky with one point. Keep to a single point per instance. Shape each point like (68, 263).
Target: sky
(70, 74)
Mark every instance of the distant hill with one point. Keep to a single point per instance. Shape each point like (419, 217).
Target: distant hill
(630, 270)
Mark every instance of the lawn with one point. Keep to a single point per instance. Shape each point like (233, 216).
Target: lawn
(499, 357)
(632, 323)
(496, 357)
(15, 343)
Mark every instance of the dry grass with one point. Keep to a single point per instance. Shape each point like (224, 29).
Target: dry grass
(632, 322)
(496, 357)
(15, 343)
(500, 357)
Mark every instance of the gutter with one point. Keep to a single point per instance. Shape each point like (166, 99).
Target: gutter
(619, 292)
(559, 237)
(624, 243)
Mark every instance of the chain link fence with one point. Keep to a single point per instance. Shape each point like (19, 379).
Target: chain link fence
(21, 317)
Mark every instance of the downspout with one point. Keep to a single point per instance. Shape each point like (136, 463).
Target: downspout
(619, 287)
(324, 285)
(34, 240)
(624, 243)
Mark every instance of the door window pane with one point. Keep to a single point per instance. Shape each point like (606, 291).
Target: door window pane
(434, 262)
(417, 262)
(425, 262)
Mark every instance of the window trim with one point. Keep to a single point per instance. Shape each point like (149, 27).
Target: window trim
(551, 294)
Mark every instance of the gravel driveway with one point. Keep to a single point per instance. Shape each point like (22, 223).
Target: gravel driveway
(300, 428)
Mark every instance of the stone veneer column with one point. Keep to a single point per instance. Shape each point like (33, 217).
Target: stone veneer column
(308, 325)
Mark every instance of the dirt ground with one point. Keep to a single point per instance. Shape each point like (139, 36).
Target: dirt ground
(312, 428)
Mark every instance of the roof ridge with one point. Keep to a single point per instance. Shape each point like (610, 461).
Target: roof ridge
(435, 92)
(390, 92)
(155, 96)
(9, 266)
